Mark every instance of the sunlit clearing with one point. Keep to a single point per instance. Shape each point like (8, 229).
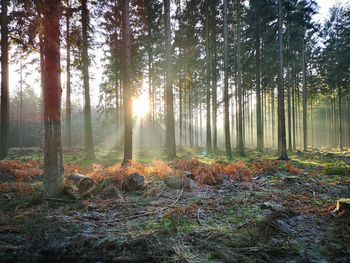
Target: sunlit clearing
(141, 105)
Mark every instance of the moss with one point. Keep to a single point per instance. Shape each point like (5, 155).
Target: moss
(337, 169)
(170, 226)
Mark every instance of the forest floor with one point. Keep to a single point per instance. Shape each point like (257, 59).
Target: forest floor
(253, 209)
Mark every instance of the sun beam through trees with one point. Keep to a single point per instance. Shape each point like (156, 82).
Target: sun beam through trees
(175, 130)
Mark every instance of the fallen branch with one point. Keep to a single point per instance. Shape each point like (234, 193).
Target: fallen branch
(178, 198)
(60, 200)
(6, 195)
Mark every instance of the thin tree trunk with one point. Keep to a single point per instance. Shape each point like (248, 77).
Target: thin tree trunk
(281, 110)
(260, 133)
(226, 99)
(273, 112)
(340, 118)
(127, 92)
(312, 123)
(293, 117)
(304, 97)
(170, 121)
(21, 103)
(239, 84)
(89, 144)
(214, 82)
(150, 71)
(5, 114)
(190, 109)
(53, 158)
(68, 91)
(208, 75)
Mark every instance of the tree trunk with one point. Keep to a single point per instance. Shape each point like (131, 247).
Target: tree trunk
(42, 73)
(170, 121)
(150, 72)
(239, 85)
(293, 117)
(5, 115)
(89, 144)
(226, 99)
(281, 110)
(304, 97)
(208, 76)
(127, 92)
(53, 158)
(273, 112)
(259, 128)
(214, 77)
(68, 91)
(21, 103)
(340, 119)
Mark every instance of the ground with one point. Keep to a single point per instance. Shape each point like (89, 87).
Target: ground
(261, 211)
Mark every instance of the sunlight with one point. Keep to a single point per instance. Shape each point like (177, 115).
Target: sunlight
(141, 105)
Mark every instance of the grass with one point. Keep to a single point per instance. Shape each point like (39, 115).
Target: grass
(337, 169)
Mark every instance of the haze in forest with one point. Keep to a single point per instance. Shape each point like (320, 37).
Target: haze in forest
(217, 75)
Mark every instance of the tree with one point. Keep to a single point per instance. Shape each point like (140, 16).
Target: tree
(226, 98)
(240, 132)
(127, 92)
(4, 130)
(69, 12)
(170, 121)
(53, 158)
(89, 144)
(281, 111)
(208, 74)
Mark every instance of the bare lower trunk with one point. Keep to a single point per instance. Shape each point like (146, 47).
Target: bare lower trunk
(239, 86)
(226, 99)
(208, 74)
(89, 144)
(5, 115)
(170, 121)
(68, 99)
(281, 110)
(53, 159)
(127, 92)
(305, 129)
(340, 119)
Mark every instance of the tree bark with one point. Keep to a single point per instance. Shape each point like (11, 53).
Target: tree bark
(273, 124)
(5, 99)
(127, 92)
(305, 128)
(53, 158)
(208, 77)
(281, 110)
(226, 99)
(259, 126)
(89, 144)
(340, 118)
(170, 121)
(239, 85)
(21, 102)
(68, 91)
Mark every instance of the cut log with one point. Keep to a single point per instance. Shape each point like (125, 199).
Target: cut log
(133, 182)
(343, 205)
(82, 182)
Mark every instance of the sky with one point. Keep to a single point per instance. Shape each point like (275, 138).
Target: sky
(324, 6)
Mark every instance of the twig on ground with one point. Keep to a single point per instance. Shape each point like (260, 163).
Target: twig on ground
(178, 198)
(6, 195)
(60, 200)
(198, 216)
